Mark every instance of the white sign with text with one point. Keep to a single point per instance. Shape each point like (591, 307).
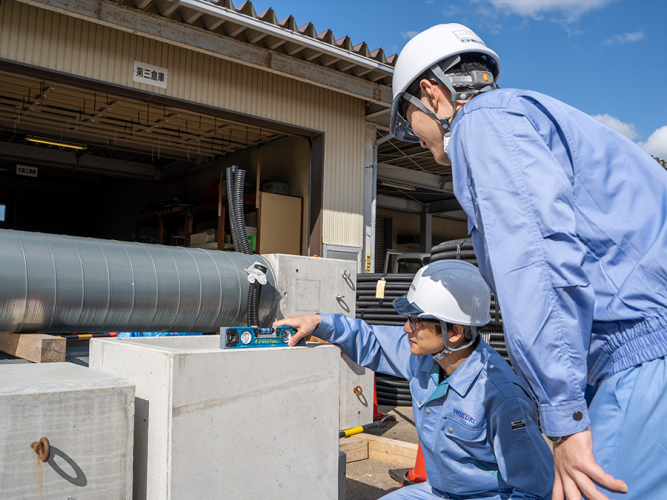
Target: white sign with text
(150, 75)
(25, 170)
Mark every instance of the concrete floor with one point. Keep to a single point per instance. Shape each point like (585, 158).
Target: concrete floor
(404, 429)
(369, 479)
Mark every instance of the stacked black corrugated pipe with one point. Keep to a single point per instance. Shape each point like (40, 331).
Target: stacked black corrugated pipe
(381, 311)
(462, 249)
(390, 390)
(235, 188)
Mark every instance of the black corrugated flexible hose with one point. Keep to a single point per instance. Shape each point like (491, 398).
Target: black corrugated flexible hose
(235, 187)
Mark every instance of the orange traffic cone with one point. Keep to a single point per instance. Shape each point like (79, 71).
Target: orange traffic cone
(418, 473)
(376, 413)
(411, 476)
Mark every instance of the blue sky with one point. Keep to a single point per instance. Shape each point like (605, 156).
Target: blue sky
(605, 57)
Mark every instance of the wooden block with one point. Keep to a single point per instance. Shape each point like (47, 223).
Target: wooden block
(311, 338)
(390, 450)
(35, 347)
(355, 449)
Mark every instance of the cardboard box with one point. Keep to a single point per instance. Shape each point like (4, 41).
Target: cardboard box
(208, 236)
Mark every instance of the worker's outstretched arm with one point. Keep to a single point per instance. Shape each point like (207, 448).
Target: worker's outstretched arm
(383, 349)
(520, 200)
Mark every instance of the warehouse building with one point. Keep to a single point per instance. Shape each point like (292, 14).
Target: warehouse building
(118, 119)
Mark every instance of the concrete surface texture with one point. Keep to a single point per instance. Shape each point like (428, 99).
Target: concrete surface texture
(87, 418)
(229, 424)
(356, 394)
(369, 480)
(310, 285)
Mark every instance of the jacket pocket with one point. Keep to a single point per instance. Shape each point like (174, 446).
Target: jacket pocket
(463, 434)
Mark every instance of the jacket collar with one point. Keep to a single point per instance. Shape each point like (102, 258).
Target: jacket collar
(465, 375)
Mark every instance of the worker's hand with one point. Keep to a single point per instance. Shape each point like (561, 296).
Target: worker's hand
(576, 470)
(304, 325)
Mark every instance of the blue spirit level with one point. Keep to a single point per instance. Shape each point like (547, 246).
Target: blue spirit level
(244, 337)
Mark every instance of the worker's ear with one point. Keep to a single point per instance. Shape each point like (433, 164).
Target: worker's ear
(456, 335)
(438, 97)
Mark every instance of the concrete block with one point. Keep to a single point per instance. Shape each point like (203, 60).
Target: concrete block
(309, 285)
(87, 417)
(229, 424)
(355, 409)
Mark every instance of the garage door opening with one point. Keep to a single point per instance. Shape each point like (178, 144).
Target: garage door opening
(84, 161)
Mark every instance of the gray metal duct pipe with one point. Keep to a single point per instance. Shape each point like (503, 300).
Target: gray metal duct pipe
(51, 283)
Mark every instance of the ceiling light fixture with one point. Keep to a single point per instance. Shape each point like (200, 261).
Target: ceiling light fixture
(398, 185)
(54, 142)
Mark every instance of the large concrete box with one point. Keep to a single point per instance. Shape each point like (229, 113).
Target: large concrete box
(308, 285)
(229, 424)
(87, 417)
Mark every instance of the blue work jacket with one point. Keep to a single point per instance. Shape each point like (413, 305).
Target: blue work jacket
(478, 428)
(568, 219)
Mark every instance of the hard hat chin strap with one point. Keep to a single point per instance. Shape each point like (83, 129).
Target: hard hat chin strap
(444, 121)
(449, 82)
(470, 334)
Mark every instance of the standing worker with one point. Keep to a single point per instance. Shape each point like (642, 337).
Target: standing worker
(476, 422)
(569, 224)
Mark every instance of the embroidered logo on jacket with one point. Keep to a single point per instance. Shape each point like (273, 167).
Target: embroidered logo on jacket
(464, 416)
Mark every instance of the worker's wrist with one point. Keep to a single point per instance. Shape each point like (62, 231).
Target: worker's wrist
(557, 439)
(564, 419)
(324, 330)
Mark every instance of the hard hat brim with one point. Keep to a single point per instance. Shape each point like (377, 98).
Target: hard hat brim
(406, 308)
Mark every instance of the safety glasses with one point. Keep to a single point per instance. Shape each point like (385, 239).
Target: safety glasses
(413, 322)
(400, 127)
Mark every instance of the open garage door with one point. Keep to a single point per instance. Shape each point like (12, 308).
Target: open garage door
(86, 163)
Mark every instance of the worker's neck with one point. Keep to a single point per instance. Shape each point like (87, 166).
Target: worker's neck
(454, 359)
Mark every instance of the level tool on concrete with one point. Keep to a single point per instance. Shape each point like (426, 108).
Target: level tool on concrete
(243, 337)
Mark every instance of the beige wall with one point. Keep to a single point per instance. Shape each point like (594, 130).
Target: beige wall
(45, 39)
(408, 223)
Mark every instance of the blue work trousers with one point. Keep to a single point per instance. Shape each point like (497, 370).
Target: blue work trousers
(424, 491)
(629, 429)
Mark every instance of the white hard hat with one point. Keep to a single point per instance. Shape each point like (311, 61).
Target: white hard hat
(451, 291)
(438, 49)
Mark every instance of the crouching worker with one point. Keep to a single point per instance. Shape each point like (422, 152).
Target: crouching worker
(477, 424)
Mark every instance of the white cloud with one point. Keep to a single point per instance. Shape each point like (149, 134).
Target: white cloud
(624, 38)
(409, 34)
(626, 129)
(572, 9)
(656, 144)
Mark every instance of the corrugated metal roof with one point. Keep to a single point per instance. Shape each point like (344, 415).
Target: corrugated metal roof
(284, 36)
